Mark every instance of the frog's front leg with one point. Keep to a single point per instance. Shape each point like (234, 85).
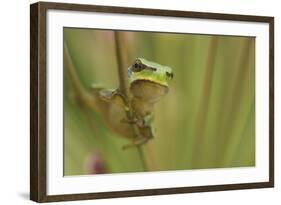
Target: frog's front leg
(114, 96)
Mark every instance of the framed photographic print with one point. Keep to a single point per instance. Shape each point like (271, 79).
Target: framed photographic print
(133, 102)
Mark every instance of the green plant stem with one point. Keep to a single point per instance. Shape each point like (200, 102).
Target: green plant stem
(201, 118)
(124, 89)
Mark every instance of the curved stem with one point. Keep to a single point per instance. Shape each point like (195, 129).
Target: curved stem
(84, 97)
(124, 89)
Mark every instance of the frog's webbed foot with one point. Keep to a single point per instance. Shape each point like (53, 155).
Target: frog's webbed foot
(147, 133)
(136, 142)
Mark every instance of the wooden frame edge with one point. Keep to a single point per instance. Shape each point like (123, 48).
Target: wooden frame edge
(153, 192)
(37, 102)
(34, 171)
(154, 12)
(271, 100)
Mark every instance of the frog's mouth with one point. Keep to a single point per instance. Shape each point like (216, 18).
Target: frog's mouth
(149, 75)
(153, 80)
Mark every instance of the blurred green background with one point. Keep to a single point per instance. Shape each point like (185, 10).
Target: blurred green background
(207, 120)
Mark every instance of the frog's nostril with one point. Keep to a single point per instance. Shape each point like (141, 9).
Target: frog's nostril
(169, 75)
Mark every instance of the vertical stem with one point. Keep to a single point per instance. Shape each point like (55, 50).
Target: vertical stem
(201, 118)
(141, 156)
(242, 78)
(123, 81)
(124, 88)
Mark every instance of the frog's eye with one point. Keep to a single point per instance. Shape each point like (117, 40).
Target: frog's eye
(137, 67)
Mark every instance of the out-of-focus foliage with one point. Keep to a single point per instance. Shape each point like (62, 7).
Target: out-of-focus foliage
(207, 120)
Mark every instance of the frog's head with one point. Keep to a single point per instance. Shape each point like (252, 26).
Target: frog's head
(149, 80)
(143, 69)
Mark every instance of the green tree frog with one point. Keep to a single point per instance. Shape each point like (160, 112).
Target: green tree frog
(148, 83)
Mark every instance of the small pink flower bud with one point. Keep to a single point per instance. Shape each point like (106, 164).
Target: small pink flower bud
(95, 164)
